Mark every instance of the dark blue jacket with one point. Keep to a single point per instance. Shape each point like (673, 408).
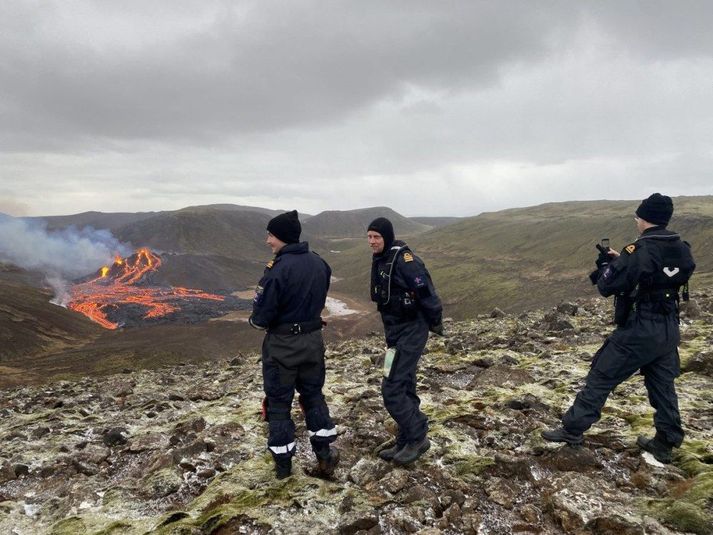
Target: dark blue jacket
(402, 287)
(293, 288)
(657, 261)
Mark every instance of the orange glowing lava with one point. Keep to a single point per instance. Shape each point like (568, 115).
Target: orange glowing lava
(118, 285)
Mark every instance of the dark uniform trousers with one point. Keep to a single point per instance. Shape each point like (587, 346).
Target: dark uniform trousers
(399, 389)
(289, 362)
(648, 342)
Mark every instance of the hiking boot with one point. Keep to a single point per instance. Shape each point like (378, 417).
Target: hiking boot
(411, 451)
(326, 466)
(562, 435)
(387, 454)
(283, 468)
(661, 451)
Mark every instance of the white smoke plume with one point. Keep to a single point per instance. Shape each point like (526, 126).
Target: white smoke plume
(62, 254)
(62, 296)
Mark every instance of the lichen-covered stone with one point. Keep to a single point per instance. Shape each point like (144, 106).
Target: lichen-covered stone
(194, 460)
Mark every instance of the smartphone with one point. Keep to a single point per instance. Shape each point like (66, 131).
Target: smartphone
(605, 243)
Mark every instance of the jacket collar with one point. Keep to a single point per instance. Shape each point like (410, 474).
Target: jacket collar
(387, 251)
(294, 248)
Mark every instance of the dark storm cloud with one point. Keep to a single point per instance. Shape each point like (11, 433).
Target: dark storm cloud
(246, 67)
(431, 107)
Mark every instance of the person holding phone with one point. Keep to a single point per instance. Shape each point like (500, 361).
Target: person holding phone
(645, 278)
(406, 298)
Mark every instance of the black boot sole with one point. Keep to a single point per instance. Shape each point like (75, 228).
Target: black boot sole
(643, 444)
(562, 440)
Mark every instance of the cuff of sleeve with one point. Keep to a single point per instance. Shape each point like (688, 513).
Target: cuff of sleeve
(255, 326)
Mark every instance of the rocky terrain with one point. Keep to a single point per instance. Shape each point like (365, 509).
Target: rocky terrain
(181, 449)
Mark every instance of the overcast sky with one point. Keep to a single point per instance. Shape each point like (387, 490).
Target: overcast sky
(432, 108)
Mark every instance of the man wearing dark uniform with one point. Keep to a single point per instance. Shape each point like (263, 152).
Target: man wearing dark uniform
(288, 301)
(402, 288)
(645, 278)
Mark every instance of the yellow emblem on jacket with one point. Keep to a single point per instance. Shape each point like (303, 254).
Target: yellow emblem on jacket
(270, 264)
(408, 257)
(630, 248)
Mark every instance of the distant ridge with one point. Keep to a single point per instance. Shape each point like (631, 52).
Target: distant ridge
(333, 224)
(115, 220)
(97, 220)
(240, 208)
(436, 222)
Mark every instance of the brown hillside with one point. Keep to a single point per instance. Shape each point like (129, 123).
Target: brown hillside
(526, 258)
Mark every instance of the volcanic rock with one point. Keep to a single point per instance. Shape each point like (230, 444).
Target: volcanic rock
(200, 466)
(357, 522)
(568, 309)
(366, 471)
(554, 321)
(20, 470)
(115, 437)
(572, 459)
(690, 309)
(701, 363)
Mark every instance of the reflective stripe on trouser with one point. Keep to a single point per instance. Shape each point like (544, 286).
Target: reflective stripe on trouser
(643, 344)
(281, 450)
(399, 389)
(292, 362)
(320, 427)
(323, 433)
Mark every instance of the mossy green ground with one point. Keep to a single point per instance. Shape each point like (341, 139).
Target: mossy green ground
(472, 421)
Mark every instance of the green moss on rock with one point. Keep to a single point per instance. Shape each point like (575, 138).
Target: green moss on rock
(69, 526)
(685, 516)
(692, 511)
(689, 457)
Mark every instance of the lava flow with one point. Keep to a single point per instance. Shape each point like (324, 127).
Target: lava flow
(123, 286)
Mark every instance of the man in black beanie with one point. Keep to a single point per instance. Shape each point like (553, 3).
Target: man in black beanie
(286, 227)
(402, 288)
(645, 278)
(289, 309)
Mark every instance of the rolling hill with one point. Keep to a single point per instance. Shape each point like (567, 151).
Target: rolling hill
(116, 220)
(336, 224)
(518, 259)
(525, 258)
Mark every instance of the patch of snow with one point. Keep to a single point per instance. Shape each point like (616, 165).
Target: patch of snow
(651, 460)
(31, 509)
(335, 307)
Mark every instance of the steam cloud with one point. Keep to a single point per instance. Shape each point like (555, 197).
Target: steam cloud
(60, 254)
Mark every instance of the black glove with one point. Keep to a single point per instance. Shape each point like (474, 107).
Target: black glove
(437, 328)
(603, 259)
(594, 276)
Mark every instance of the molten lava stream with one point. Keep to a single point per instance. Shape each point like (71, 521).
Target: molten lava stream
(116, 286)
(94, 313)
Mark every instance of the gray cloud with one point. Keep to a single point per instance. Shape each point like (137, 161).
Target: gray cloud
(323, 105)
(260, 66)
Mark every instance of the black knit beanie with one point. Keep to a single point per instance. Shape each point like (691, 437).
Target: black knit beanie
(657, 209)
(384, 227)
(286, 227)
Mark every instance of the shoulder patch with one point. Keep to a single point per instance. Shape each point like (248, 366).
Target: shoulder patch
(630, 248)
(270, 264)
(408, 257)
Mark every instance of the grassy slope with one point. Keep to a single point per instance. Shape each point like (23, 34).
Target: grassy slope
(528, 257)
